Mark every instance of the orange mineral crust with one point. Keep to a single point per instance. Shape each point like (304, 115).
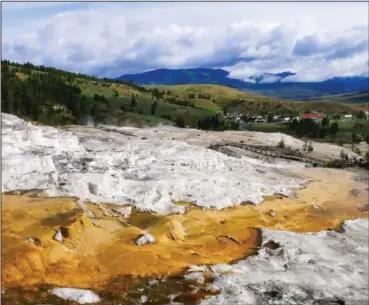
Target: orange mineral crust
(99, 245)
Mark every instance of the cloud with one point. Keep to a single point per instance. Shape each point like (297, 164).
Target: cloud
(135, 38)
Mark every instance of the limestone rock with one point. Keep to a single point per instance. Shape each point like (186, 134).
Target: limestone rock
(144, 239)
(58, 236)
(81, 296)
(124, 211)
(144, 299)
(34, 240)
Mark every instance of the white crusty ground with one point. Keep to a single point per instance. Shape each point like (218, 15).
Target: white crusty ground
(148, 173)
(80, 296)
(201, 138)
(322, 268)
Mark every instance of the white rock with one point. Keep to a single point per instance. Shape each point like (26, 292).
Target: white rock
(194, 268)
(212, 288)
(145, 239)
(144, 299)
(58, 236)
(80, 296)
(197, 277)
(148, 174)
(321, 266)
(31, 240)
(124, 211)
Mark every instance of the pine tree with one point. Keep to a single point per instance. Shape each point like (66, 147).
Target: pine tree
(133, 101)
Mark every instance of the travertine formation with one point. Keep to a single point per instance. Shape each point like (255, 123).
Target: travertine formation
(148, 173)
(153, 202)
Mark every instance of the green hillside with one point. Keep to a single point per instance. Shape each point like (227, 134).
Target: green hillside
(57, 97)
(219, 98)
(349, 98)
(213, 97)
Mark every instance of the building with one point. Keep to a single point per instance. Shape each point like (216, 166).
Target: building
(261, 119)
(315, 116)
(348, 117)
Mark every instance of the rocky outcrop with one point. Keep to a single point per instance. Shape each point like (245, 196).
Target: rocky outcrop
(81, 296)
(144, 239)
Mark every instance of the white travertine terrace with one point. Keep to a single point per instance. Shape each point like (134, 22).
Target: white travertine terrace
(148, 173)
(312, 268)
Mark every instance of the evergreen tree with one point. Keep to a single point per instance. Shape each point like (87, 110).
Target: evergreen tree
(325, 122)
(333, 129)
(154, 105)
(133, 101)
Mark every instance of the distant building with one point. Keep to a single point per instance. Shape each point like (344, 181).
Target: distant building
(261, 119)
(317, 117)
(367, 115)
(348, 117)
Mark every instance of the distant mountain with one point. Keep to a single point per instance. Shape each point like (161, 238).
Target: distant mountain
(270, 78)
(184, 77)
(313, 90)
(267, 83)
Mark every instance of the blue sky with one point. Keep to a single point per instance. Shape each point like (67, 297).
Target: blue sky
(315, 40)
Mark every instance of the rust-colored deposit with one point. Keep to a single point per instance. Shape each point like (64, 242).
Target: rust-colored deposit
(97, 249)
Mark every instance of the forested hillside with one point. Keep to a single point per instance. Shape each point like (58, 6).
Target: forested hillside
(56, 97)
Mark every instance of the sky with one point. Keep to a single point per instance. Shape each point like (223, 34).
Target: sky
(317, 41)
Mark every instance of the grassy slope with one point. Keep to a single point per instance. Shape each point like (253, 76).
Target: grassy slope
(331, 106)
(252, 102)
(144, 101)
(219, 96)
(349, 98)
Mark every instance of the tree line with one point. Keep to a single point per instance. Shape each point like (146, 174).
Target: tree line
(43, 97)
(310, 128)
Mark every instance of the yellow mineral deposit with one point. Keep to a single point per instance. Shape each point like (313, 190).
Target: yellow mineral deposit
(96, 249)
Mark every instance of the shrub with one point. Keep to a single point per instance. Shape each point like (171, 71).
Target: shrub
(355, 138)
(180, 122)
(304, 146)
(281, 144)
(310, 147)
(343, 155)
(366, 138)
(357, 150)
(166, 116)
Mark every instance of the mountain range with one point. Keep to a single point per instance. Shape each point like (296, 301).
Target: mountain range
(269, 84)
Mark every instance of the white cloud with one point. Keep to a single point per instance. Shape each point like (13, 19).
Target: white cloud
(242, 37)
